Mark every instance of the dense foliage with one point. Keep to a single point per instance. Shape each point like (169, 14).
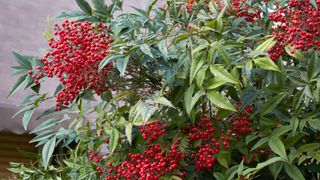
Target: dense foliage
(196, 89)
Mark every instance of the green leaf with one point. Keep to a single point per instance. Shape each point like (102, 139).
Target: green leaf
(314, 123)
(47, 151)
(46, 113)
(163, 101)
(122, 65)
(297, 54)
(74, 15)
(201, 76)
(309, 147)
(223, 74)
(47, 124)
(266, 45)
(26, 117)
(146, 49)
(195, 67)
(36, 88)
(313, 67)
(222, 51)
(220, 101)
(17, 85)
(109, 59)
(129, 132)
(223, 161)
(261, 142)
(43, 135)
(272, 103)
(100, 7)
(215, 83)
(231, 172)
(163, 48)
(189, 100)
(314, 4)
(121, 95)
(281, 130)
(266, 64)
(263, 164)
(276, 169)
(219, 176)
(114, 139)
(293, 171)
(24, 61)
(240, 168)
(84, 6)
(277, 146)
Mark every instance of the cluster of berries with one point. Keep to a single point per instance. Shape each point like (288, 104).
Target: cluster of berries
(152, 131)
(152, 164)
(298, 25)
(74, 58)
(96, 158)
(236, 126)
(240, 7)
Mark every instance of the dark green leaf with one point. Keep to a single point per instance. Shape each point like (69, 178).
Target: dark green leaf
(17, 85)
(260, 143)
(222, 51)
(293, 171)
(24, 61)
(309, 147)
(272, 103)
(84, 6)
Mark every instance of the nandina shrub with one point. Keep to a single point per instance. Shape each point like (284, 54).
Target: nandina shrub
(194, 89)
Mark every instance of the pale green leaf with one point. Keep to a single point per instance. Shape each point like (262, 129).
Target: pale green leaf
(220, 101)
(47, 151)
(266, 64)
(277, 146)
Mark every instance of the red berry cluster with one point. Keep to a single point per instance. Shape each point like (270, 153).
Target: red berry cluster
(96, 158)
(151, 132)
(152, 164)
(237, 125)
(241, 122)
(74, 58)
(242, 9)
(205, 157)
(297, 26)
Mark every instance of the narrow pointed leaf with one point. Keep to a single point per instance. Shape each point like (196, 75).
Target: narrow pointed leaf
(220, 101)
(47, 151)
(26, 118)
(266, 64)
(277, 146)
